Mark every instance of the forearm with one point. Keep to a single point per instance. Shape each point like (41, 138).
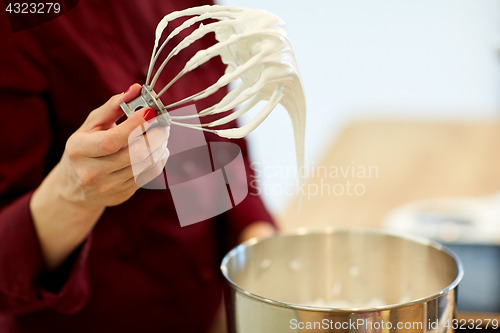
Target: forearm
(25, 285)
(61, 225)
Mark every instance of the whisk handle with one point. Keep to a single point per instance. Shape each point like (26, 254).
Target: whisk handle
(149, 99)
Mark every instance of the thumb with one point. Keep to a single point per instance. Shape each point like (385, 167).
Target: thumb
(105, 116)
(107, 142)
(134, 126)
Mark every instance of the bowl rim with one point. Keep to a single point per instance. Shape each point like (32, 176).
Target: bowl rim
(331, 230)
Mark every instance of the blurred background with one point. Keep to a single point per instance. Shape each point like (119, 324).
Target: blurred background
(403, 126)
(361, 59)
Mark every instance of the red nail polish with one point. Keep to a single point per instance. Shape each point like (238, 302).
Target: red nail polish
(149, 114)
(126, 91)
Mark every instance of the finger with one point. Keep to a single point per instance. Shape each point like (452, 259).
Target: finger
(141, 147)
(149, 117)
(108, 142)
(127, 173)
(138, 123)
(164, 154)
(161, 152)
(106, 115)
(151, 160)
(138, 150)
(153, 172)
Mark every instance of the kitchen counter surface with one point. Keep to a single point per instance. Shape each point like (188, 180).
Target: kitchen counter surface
(408, 161)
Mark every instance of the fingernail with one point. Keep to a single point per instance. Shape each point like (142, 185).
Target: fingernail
(149, 114)
(126, 91)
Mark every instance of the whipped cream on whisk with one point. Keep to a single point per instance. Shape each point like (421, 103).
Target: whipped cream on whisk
(259, 57)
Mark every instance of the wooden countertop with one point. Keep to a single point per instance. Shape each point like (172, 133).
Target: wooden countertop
(414, 160)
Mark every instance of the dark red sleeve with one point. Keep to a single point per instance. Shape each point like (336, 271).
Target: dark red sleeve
(26, 139)
(24, 284)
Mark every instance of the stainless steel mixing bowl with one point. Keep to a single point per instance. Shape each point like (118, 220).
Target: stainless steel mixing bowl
(341, 280)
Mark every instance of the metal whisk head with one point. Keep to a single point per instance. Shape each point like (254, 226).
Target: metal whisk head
(254, 45)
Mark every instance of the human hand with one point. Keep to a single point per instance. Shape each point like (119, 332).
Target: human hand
(95, 172)
(96, 166)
